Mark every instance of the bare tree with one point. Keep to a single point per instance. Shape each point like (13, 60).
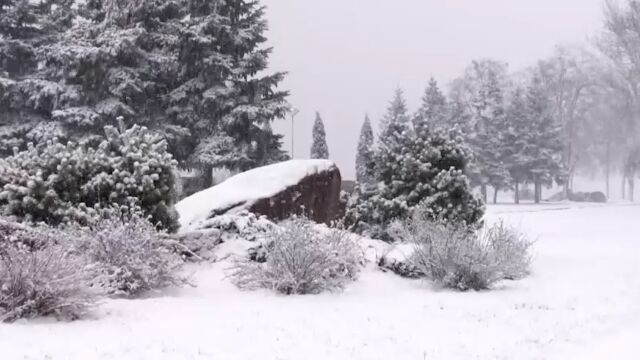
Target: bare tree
(567, 77)
(620, 43)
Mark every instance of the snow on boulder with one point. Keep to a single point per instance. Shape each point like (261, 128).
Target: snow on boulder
(295, 187)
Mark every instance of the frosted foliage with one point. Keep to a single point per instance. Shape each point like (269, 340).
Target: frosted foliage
(319, 147)
(220, 151)
(301, 260)
(434, 112)
(453, 184)
(129, 256)
(424, 168)
(462, 257)
(244, 225)
(58, 183)
(197, 67)
(395, 125)
(40, 275)
(490, 123)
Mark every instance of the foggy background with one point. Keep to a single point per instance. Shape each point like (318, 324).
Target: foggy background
(345, 58)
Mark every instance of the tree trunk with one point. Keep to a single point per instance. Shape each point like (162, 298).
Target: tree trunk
(568, 185)
(207, 176)
(624, 188)
(495, 195)
(517, 194)
(608, 169)
(571, 182)
(483, 190)
(539, 192)
(631, 189)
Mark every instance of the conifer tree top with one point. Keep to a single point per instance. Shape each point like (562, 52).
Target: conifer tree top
(319, 148)
(395, 123)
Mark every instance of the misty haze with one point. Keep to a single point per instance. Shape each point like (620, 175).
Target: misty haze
(287, 179)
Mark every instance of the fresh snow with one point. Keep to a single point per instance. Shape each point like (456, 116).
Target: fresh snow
(242, 190)
(582, 301)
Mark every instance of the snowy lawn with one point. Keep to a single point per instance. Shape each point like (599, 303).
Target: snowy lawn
(581, 302)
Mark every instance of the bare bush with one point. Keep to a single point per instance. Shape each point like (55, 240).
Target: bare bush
(131, 256)
(48, 281)
(463, 257)
(301, 260)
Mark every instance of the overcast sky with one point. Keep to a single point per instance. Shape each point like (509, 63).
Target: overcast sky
(346, 57)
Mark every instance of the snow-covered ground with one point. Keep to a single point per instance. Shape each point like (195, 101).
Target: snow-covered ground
(581, 302)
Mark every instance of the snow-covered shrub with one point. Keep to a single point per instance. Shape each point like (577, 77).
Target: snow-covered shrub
(131, 256)
(301, 259)
(48, 280)
(398, 260)
(57, 183)
(463, 257)
(27, 237)
(203, 244)
(194, 246)
(425, 169)
(245, 225)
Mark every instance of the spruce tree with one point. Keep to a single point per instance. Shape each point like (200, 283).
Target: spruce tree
(410, 169)
(434, 112)
(25, 96)
(319, 148)
(223, 87)
(191, 71)
(364, 156)
(518, 137)
(395, 125)
(545, 143)
(488, 137)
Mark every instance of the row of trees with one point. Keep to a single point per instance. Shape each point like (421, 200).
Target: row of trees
(512, 129)
(512, 135)
(576, 111)
(191, 71)
(594, 97)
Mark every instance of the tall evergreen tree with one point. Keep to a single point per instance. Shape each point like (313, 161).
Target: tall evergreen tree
(223, 91)
(395, 124)
(518, 137)
(190, 70)
(319, 148)
(26, 98)
(434, 112)
(488, 137)
(545, 139)
(364, 156)
(410, 169)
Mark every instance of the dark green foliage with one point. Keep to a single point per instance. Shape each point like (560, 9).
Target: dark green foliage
(57, 183)
(191, 71)
(412, 168)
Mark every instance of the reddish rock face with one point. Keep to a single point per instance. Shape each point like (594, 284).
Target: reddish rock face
(316, 196)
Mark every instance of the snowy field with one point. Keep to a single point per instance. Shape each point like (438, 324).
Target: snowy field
(581, 302)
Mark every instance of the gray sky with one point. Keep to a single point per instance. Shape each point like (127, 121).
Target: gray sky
(346, 57)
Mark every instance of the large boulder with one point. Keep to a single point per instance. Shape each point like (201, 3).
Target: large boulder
(296, 187)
